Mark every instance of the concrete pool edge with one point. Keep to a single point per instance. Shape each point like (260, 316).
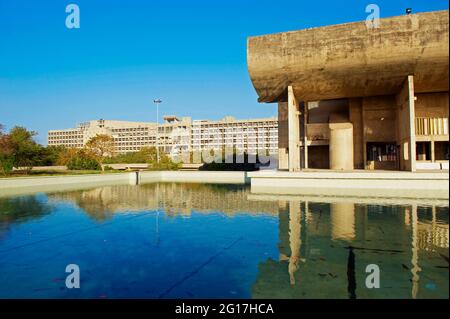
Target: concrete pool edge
(23, 185)
(357, 184)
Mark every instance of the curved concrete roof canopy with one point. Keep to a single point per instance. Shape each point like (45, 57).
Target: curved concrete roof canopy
(352, 60)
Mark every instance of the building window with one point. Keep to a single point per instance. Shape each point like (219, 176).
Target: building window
(441, 151)
(381, 152)
(423, 151)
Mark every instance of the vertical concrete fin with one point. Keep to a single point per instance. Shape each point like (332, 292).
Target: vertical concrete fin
(294, 131)
(406, 135)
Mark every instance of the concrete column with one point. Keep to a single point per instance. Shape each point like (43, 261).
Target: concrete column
(406, 125)
(341, 146)
(294, 131)
(305, 135)
(433, 155)
(283, 138)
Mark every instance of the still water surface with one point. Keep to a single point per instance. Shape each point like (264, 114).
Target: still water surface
(216, 241)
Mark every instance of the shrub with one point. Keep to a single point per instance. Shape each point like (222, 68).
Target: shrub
(165, 164)
(145, 155)
(83, 161)
(6, 165)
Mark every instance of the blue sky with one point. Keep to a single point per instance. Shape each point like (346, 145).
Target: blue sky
(192, 54)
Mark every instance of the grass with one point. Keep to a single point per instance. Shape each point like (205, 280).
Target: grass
(66, 172)
(56, 173)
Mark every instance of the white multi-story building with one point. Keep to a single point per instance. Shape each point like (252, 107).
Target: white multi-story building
(244, 135)
(176, 136)
(128, 136)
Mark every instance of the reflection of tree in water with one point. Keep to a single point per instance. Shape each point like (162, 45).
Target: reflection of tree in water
(99, 203)
(20, 210)
(174, 198)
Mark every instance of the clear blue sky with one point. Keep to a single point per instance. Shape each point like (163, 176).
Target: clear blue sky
(192, 54)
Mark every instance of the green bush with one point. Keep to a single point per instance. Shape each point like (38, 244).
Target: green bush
(6, 165)
(83, 161)
(145, 155)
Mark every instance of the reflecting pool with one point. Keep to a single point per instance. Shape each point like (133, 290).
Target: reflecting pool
(168, 240)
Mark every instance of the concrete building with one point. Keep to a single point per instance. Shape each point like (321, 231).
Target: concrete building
(352, 96)
(128, 136)
(175, 135)
(245, 135)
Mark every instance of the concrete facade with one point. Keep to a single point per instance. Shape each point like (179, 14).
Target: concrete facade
(354, 97)
(175, 135)
(245, 135)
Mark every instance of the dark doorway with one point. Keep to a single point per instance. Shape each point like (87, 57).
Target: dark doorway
(383, 156)
(423, 151)
(319, 156)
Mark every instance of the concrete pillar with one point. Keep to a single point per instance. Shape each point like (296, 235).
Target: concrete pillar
(432, 151)
(305, 135)
(294, 131)
(341, 146)
(283, 138)
(356, 118)
(406, 125)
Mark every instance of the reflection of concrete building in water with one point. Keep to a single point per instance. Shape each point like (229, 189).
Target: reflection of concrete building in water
(173, 198)
(313, 244)
(354, 97)
(175, 135)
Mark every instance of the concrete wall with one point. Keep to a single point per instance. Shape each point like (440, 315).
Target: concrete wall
(356, 184)
(57, 183)
(197, 177)
(320, 111)
(352, 60)
(379, 118)
(24, 185)
(432, 105)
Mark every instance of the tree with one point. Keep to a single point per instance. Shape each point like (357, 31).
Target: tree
(65, 156)
(49, 156)
(25, 149)
(6, 153)
(102, 146)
